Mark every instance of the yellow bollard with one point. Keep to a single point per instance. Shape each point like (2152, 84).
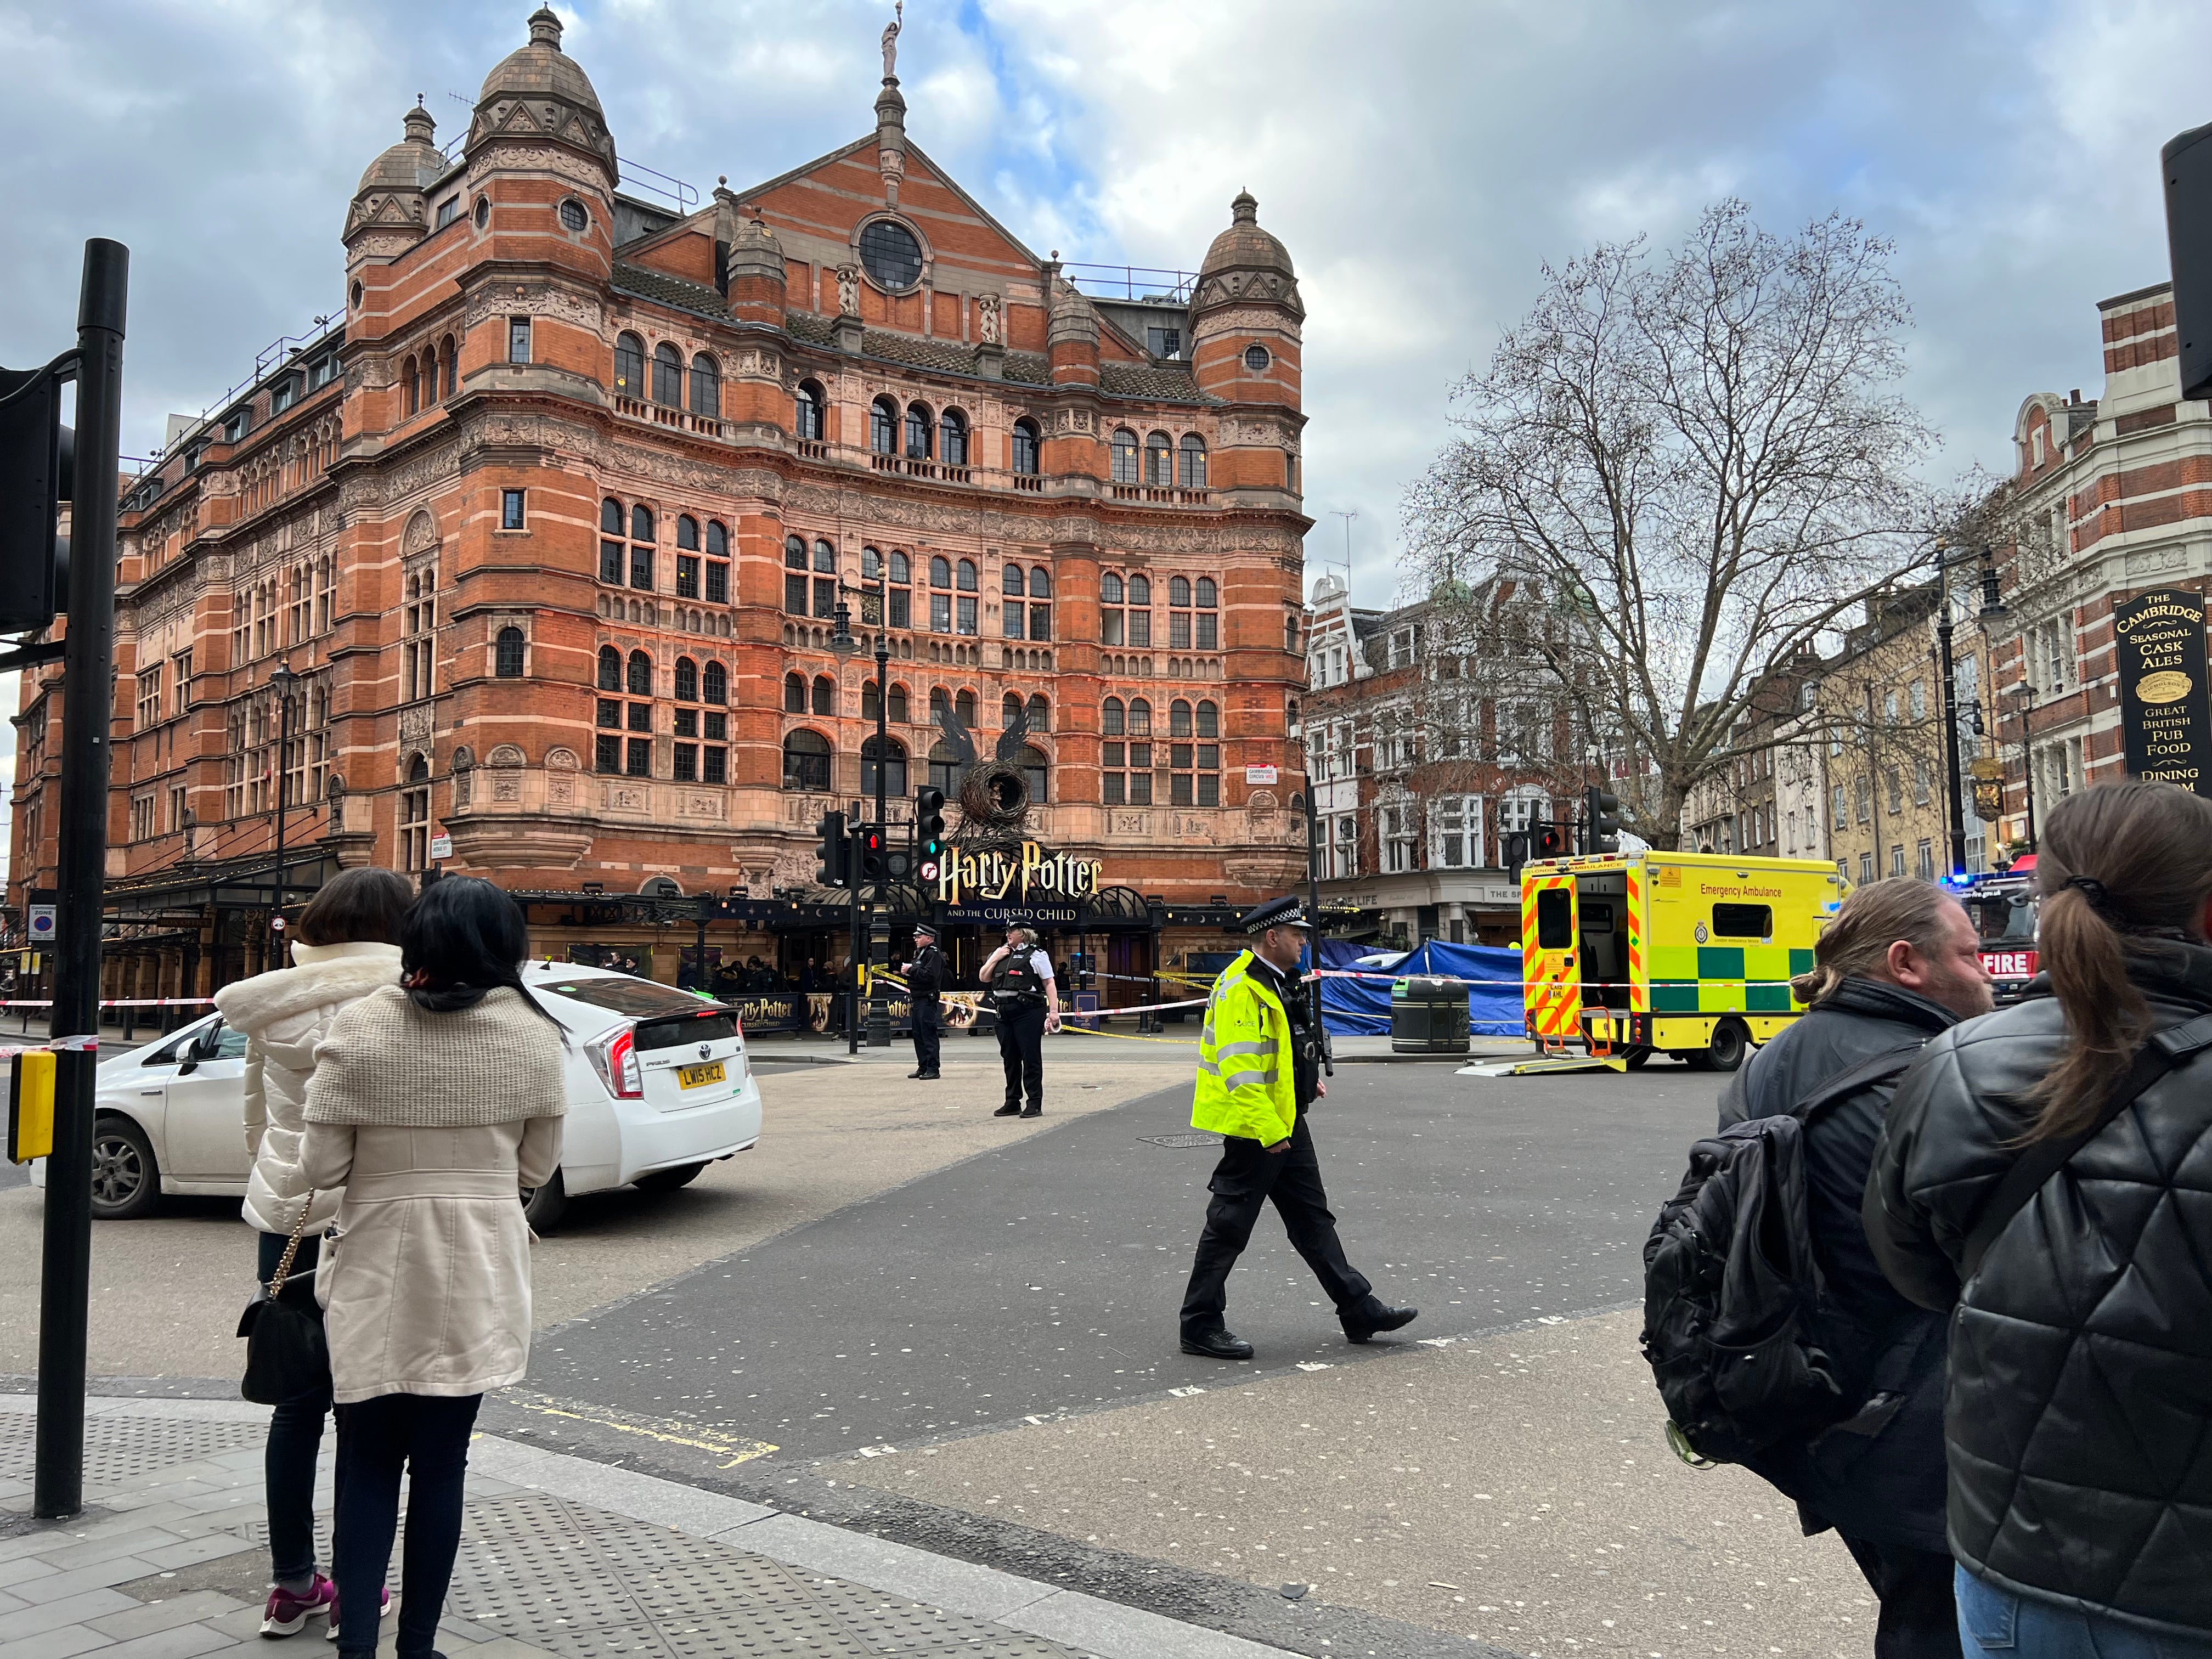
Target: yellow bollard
(31, 1106)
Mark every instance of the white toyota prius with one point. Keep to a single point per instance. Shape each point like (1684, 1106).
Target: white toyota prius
(660, 1087)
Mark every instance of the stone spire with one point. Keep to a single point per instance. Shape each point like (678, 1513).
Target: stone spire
(890, 138)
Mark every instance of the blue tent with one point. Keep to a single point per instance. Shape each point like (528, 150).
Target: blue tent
(1361, 1007)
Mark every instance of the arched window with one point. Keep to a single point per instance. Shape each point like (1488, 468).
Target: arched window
(901, 567)
(706, 387)
(718, 540)
(715, 685)
(882, 427)
(507, 654)
(410, 378)
(610, 517)
(668, 375)
(1010, 710)
(794, 587)
(872, 564)
(629, 366)
(945, 768)
(448, 368)
(897, 711)
(1193, 461)
(1179, 590)
(1025, 447)
(1125, 456)
(1140, 718)
(609, 669)
(937, 703)
(640, 523)
(920, 431)
(940, 571)
(952, 438)
(810, 405)
(687, 680)
(963, 705)
(794, 694)
(806, 761)
(1112, 719)
(1040, 713)
(1040, 582)
(967, 581)
(1109, 588)
(1159, 460)
(825, 695)
(415, 815)
(1209, 721)
(1208, 595)
(1140, 591)
(1036, 768)
(1178, 719)
(687, 532)
(894, 769)
(1016, 582)
(826, 558)
(640, 674)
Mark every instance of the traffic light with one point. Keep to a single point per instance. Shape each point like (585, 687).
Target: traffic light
(2187, 164)
(36, 456)
(835, 852)
(929, 831)
(1601, 821)
(1516, 853)
(1547, 841)
(873, 869)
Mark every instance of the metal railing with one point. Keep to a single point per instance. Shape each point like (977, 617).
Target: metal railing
(1132, 281)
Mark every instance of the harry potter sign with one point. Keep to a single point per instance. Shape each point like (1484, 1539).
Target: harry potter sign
(2165, 723)
(1033, 873)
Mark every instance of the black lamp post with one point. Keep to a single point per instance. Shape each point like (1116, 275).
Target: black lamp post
(2026, 693)
(843, 643)
(281, 680)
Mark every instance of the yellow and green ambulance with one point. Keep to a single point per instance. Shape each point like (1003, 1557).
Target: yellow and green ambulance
(1634, 954)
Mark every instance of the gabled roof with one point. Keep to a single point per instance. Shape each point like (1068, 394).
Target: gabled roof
(868, 143)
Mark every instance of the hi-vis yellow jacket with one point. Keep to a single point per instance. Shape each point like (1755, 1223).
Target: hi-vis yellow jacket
(1246, 1082)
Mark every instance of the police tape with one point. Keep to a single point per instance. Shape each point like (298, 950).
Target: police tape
(60, 1045)
(125, 1002)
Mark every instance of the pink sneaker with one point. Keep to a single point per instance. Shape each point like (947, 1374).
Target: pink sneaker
(286, 1612)
(383, 1611)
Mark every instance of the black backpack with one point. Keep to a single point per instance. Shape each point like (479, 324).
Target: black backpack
(1731, 1291)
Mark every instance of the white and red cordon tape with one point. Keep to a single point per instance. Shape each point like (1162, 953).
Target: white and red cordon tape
(126, 1002)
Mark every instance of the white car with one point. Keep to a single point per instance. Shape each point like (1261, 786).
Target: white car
(659, 1084)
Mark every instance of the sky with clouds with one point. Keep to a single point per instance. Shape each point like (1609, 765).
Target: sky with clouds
(1421, 160)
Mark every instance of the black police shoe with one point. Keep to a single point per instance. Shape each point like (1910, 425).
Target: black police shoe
(1216, 1344)
(914, 1075)
(1033, 1111)
(1012, 1108)
(1375, 1316)
(927, 1077)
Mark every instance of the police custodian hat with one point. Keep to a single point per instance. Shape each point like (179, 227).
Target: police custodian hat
(1286, 912)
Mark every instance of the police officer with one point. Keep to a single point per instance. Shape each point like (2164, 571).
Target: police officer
(925, 984)
(1256, 1018)
(1018, 977)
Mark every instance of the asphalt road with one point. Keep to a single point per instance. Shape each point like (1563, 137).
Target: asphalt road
(1045, 1277)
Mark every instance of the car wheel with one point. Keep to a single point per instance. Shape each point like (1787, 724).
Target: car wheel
(667, 1180)
(126, 1182)
(543, 1207)
(1730, 1044)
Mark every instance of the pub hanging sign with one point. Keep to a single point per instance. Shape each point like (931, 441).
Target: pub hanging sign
(2166, 722)
(1034, 874)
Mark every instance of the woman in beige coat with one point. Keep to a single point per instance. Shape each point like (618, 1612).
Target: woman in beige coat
(346, 945)
(433, 1106)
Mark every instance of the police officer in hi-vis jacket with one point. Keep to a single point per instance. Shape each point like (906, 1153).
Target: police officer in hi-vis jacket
(1259, 1069)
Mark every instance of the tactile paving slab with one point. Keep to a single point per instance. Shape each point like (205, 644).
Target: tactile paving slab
(120, 1449)
(585, 1584)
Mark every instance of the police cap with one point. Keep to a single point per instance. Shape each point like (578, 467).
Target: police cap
(1286, 912)
(926, 930)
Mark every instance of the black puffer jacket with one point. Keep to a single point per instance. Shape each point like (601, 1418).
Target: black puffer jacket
(1878, 1474)
(2079, 1419)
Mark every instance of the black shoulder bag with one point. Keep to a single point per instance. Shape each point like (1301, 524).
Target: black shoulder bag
(287, 1354)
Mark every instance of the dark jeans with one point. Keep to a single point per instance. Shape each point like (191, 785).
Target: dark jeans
(1246, 1178)
(295, 1433)
(1919, 1618)
(926, 1041)
(1994, 1624)
(428, 1436)
(1021, 1051)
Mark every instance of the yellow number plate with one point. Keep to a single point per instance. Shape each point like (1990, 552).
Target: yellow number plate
(697, 1077)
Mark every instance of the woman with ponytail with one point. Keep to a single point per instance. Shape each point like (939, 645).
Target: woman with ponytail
(434, 1101)
(2079, 1403)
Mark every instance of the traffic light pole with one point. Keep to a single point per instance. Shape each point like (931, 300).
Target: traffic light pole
(87, 708)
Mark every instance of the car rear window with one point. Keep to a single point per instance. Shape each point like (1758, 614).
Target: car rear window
(640, 999)
(702, 1027)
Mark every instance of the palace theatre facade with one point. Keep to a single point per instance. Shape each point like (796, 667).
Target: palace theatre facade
(527, 567)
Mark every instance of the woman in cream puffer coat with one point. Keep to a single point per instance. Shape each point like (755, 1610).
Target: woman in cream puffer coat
(346, 946)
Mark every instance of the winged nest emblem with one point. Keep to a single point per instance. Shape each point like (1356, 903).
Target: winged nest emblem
(994, 793)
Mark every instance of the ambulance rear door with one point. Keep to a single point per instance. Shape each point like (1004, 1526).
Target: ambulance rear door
(1552, 991)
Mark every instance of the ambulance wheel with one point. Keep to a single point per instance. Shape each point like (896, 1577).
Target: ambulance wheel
(1730, 1044)
(1638, 1057)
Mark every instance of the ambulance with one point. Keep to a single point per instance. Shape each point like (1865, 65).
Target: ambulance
(1633, 954)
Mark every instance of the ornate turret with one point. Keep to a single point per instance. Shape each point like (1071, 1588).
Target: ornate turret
(1071, 331)
(753, 268)
(389, 208)
(1247, 264)
(1245, 317)
(538, 92)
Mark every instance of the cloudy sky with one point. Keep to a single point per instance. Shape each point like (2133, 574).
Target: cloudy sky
(1421, 160)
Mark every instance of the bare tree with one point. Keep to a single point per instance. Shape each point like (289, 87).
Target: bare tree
(1696, 460)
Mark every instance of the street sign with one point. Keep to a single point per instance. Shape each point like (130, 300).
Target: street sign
(441, 846)
(1258, 775)
(2166, 722)
(42, 922)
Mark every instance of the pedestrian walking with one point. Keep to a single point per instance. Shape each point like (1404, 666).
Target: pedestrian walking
(1257, 1017)
(433, 1106)
(2046, 1179)
(1898, 963)
(925, 989)
(345, 945)
(1017, 977)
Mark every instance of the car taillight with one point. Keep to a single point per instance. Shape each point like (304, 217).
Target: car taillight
(615, 1062)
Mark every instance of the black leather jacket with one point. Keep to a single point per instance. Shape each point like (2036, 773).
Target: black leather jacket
(1878, 1474)
(2079, 1416)
(925, 981)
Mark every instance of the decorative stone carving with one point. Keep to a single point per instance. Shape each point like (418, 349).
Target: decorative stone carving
(849, 290)
(506, 755)
(990, 319)
(416, 724)
(506, 787)
(700, 803)
(422, 533)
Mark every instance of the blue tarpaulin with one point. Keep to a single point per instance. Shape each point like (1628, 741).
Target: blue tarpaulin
(1361, 1007)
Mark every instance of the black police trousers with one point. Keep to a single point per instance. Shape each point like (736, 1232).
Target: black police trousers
(1021, 1051)
(925, 1035)
(1245, 1179)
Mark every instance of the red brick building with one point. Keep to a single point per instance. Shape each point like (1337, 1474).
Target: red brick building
(550, 525)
